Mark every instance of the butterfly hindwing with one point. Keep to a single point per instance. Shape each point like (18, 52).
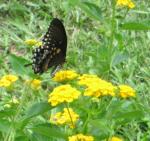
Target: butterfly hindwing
(53, 49)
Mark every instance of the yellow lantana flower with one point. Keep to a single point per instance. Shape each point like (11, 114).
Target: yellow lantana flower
(131, 5)
(33, 42)
(63, 118)
(11, 78)
(95, 86)
(115, 139)
(4, 83)
(65, 75)
(7, 80)
(101, 88)
(126, 91)
(63, 93)
(81, 137)
(127, 3)
(88, 79)
(36, 84)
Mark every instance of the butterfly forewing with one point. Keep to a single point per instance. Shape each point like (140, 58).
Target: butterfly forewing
(53, 49)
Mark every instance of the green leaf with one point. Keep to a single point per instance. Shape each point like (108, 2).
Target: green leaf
(119, 58)
(140, 12)
(123, 111)
(116, 107)
(99, 128)
(37, 109)
(131, 115)
(38, 137)
(49, 131)
(73, 2)
(18, 63)
(7, 113)
(21, 138)
(4, 125)
(92, 10)
(136, 26)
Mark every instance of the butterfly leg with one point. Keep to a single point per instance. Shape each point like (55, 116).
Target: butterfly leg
(56, 69)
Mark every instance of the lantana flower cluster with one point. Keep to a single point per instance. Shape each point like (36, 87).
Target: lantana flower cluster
(93, 86)
(81, 137)
(63, 118)
(7, 80)
(126, 91)
(63, 93)
(65, 75)
(35, 84)
(33, 42)
(114, 138)
(127, 3)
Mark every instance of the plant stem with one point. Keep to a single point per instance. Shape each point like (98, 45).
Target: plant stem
(69, 114)
(113, 28)
(125, 14)
(70, 117)
(10, 136)
(85, 123)
(113, 23)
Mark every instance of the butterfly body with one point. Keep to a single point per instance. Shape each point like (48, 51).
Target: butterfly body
(52, 52)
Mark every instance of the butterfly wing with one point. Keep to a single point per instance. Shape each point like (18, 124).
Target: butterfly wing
(53, 50)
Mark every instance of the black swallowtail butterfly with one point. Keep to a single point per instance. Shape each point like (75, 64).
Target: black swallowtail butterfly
(52, 52)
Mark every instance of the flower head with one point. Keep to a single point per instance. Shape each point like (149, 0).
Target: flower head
(81, 137)
(63, 118)
(131, 5)
(101, 88)
(33, 42)
(63, 93)
(4, 83)
(65, 75)
(127, 3)
(88, 79)
(36, 84)
(126, 91)
(7, 80)
(115, 139)
(11, 78)
(95, 86)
